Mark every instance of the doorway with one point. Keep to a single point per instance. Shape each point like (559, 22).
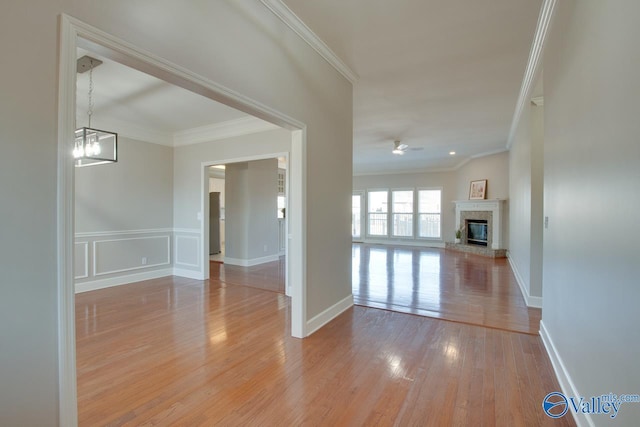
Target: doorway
(74, 34)
(253, 218)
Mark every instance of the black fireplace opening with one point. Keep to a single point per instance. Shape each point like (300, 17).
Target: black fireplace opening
(477, 232)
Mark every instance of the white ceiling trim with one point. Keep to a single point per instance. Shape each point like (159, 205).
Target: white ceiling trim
(139, 133)
(433, 170)
(217, 131)
(538, 101)
(287, 16)
(533, 65)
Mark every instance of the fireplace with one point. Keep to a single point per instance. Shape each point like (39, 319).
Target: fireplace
(481, 224)
(477, 232)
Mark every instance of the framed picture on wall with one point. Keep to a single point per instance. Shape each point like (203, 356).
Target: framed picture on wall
(478, 189)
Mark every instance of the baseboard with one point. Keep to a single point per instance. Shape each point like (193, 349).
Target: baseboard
(567, 386)
(122, 280)
(251, 262)
(328, 315)
(414, 243)
(531, 301)
(189, 274)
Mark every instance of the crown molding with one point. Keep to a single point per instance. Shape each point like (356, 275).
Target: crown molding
(538, 101)
(292, 20)
(533, 65)
(488, 153)
(139, 133)
(243, 126)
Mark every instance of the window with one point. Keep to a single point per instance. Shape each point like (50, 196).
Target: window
(429, 210)
(377, 211)
(356, 212)
(402, 205)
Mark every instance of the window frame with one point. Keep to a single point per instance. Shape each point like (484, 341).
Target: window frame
(367, 212)
(418, 213)
(392, 213)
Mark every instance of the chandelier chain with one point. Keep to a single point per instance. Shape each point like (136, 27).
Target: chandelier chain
(90, 107)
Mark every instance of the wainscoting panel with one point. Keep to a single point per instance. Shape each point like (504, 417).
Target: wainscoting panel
(81, 260)
(127, 254)
(187, 249)
(111, 258)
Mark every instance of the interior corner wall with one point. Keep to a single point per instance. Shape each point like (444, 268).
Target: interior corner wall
(520, 201)
(591, 176)
(123, 216)
(495, 169)
(224, 42)
(237, 211)
(252, 226)
(187, 197)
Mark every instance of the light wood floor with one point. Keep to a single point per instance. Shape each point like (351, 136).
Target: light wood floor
(443, 284)
(176, 351)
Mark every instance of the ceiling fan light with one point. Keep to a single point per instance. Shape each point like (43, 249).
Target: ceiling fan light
(399, 148)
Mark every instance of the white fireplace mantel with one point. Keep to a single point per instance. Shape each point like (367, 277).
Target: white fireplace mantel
(495, 206)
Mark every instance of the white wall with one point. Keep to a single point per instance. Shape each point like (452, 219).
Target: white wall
(124, 216)
(494, 168)
(252, 225)
(223, 41)
(591, 176)
(526, 203)
(132, 194)
(217, 185)
(188, 162)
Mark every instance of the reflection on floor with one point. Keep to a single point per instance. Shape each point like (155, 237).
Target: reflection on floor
(183, 352)
(443, 284)
(219, 257)
(269, 276)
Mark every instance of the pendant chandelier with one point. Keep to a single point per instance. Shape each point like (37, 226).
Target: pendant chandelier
(93, 146)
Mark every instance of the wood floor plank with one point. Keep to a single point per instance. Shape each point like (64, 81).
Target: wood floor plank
(442, 284)
(180, 352)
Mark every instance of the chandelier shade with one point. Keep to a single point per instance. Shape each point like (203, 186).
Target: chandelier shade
(95, 147)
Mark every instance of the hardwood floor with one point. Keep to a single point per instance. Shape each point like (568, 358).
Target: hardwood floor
(176, 351)
(443, 284)
(268, 276)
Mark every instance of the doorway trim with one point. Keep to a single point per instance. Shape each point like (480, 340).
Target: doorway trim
(74, 33)
(204, 208)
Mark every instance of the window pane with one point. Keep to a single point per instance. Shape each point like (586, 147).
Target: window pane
(403, 225)
(429, 201)
(429, 225)
(378, 201)
(355, 215)
(403, 201)
(378, 224)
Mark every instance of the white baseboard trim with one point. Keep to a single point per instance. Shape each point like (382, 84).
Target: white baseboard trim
(189, 274)
(329, 314)
(414, 243)
(251, 262)
(567, 386)
(122, 280)
(531, 301)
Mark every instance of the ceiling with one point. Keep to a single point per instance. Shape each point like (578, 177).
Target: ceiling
(135, 104)
(439, 75)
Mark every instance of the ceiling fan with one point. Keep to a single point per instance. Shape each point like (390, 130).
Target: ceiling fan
(399, 148)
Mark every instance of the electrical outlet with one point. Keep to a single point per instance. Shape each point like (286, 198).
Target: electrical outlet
(144, 260)
(546, 222)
